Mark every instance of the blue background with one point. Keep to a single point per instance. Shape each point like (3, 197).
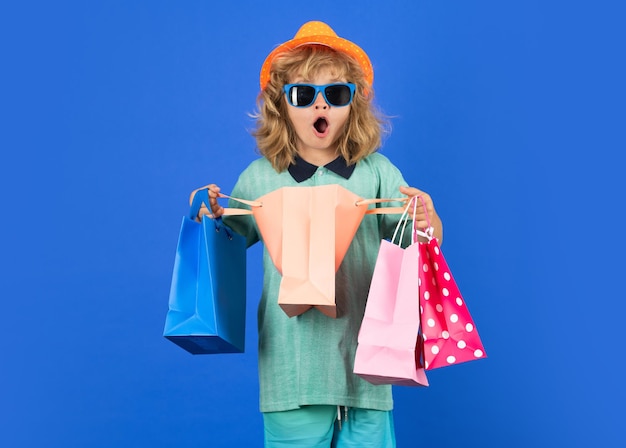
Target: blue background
(510, 114)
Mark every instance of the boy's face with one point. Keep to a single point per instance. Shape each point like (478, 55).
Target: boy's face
(318, 126)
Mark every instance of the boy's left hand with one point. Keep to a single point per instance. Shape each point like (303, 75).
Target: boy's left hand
(424, 218)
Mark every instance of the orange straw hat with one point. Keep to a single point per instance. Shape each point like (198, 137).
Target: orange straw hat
(319, 33)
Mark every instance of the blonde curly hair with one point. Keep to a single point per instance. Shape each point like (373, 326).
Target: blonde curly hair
(276, 138)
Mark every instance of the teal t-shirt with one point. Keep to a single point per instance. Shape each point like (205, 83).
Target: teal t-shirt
(308, 359)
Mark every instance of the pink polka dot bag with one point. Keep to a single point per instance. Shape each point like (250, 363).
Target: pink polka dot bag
(448, 331)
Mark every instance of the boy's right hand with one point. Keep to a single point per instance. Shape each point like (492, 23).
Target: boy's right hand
(216, 209)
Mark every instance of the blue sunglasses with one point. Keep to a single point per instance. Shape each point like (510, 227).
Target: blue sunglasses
(303, 95)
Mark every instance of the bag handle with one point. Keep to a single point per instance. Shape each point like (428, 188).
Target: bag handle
(404, 219)
(429, 231)
(200, 198)
(382, 210)
(426, 233)
(231, 211)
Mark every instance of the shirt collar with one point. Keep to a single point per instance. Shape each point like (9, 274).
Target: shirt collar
(302, 170)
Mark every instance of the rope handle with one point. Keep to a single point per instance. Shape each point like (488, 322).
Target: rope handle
(426, 233)
(241, 211)
(382, 210)
(429, 231)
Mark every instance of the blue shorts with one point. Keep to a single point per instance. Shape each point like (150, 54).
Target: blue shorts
(320, 427)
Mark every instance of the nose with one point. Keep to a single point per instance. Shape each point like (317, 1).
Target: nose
(320, 102)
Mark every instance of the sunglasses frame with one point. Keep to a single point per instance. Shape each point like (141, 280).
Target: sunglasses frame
(318, 89)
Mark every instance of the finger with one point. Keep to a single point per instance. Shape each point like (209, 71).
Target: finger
(214, 194)
(425, 203)
(411, 191)
(215, 212)
(423, 217)
(213, 191)
(421, 224)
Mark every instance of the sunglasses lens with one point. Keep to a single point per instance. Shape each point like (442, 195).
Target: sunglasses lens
(338, 95)
(301, 95)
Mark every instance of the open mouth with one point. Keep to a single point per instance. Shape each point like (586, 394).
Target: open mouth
(320, 125)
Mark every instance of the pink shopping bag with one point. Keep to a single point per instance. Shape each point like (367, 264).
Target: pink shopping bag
(389, 346)
(448, 330)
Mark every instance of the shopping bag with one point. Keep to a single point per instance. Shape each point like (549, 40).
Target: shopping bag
(207, 302)
(318, 224)
(448, 330)
(307, 232)
(389, 346)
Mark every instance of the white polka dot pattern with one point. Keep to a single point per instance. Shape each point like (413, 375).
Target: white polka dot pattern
(450, 336)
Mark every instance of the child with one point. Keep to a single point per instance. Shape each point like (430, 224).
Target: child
(316, 125)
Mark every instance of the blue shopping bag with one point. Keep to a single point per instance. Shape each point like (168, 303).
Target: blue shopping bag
(207, 303)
